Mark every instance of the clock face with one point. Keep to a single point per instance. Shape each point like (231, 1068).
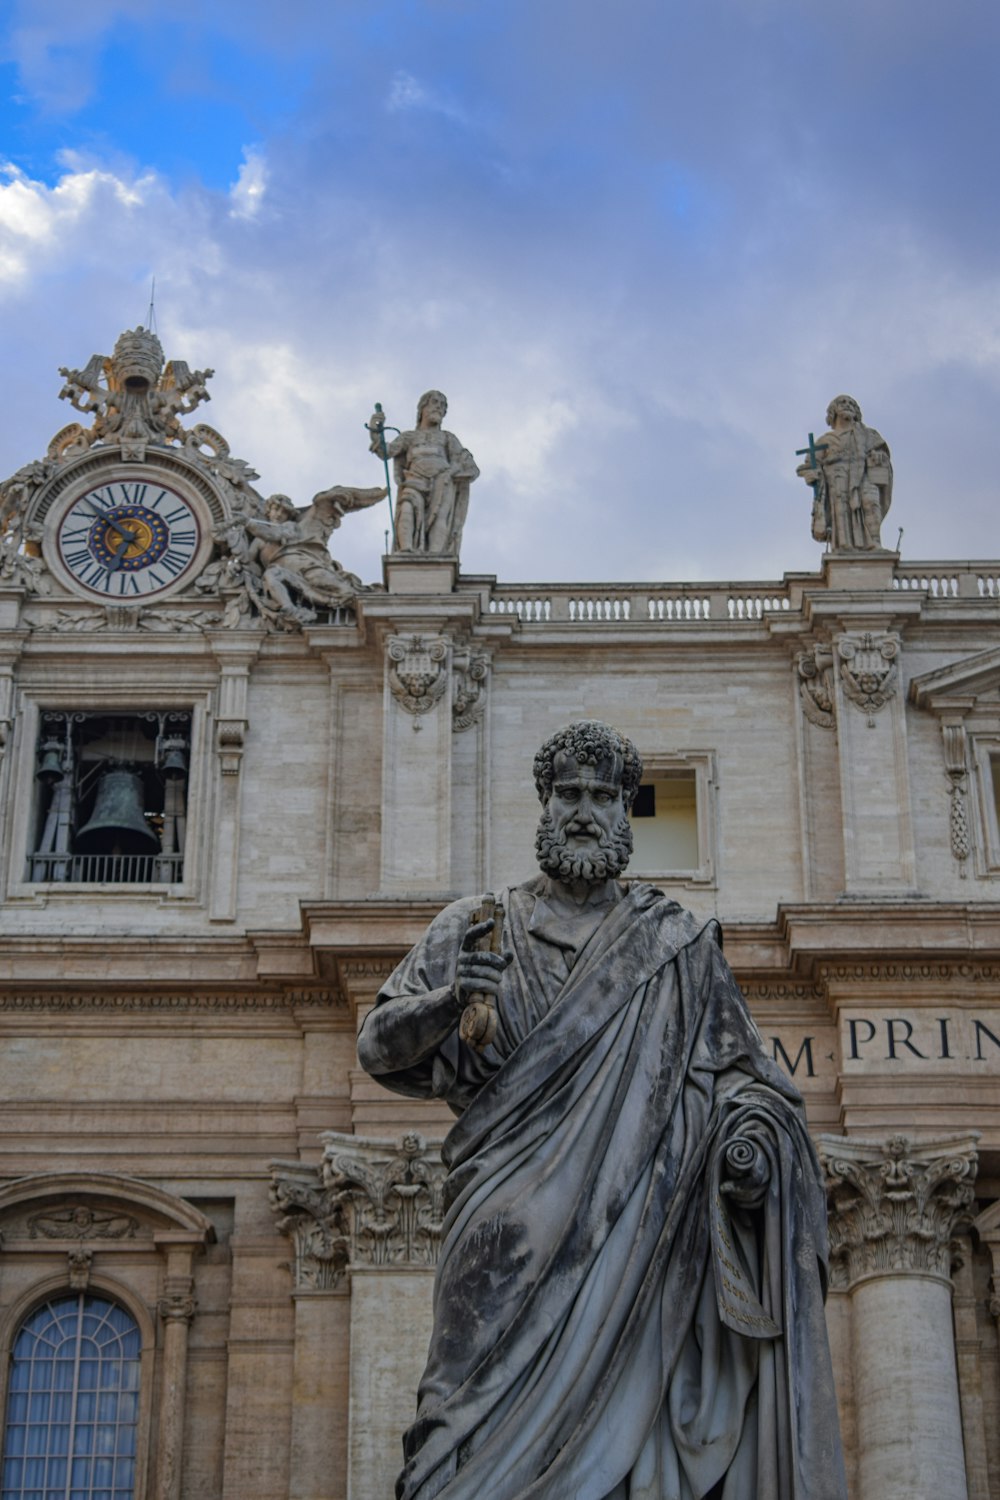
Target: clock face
(128, 539)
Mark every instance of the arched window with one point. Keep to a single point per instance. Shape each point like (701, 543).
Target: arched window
(73, 1403)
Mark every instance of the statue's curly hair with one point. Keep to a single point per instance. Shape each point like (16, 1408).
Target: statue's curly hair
(589, 742)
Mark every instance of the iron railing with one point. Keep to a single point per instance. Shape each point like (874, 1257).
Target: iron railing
(107, 869)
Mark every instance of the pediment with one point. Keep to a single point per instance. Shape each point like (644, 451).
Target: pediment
(961, 686)
(96, 1207)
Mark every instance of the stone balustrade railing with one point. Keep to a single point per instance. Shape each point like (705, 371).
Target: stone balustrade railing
(950, 580)
(717, 603)
(671, 603)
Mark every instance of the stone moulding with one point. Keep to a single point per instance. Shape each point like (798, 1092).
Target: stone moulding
(896, 1206)
(371, 1203)
(54, 1000)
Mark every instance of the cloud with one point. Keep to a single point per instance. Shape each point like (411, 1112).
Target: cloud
(247, 193)
(639, 286)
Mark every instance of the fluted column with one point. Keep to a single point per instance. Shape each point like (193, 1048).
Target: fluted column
(895, 1207)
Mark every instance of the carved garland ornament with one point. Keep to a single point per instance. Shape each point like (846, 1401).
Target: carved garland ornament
(957, 773)
(371, 1204)
(895, 1207)
(869, 670)
(418, 673)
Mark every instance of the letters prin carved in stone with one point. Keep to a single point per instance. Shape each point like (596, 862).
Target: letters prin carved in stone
(418, 674)
(895, 1206)
(869, 670)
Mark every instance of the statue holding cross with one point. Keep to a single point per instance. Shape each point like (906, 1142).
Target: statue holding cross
(850, 473)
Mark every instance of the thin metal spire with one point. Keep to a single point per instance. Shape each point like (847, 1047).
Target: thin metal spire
(151, 315)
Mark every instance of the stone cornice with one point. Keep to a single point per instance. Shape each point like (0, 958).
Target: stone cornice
(109, 1001)
(896, 1205)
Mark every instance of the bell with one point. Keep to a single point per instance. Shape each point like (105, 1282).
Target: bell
(173, 761)
(50, 767)
(117, 824)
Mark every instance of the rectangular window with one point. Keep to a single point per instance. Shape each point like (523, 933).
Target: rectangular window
(111, 798)
(673, 819)
(665, 823)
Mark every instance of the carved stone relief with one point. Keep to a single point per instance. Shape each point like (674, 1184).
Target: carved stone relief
(418, 670)
(895, 1206)
(371, 1204)
(869, 670)
(956, 770)
(471, 671)
(82, 1223)
(815, 673)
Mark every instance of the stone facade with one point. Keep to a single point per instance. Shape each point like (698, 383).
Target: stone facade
(185, 1128)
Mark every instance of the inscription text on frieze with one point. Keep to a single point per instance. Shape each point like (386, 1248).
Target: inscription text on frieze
(943, 1039)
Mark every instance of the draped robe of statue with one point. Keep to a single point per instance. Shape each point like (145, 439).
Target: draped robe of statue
(608, 1325)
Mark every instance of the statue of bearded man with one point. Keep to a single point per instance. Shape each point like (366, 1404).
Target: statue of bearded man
(629, 1300)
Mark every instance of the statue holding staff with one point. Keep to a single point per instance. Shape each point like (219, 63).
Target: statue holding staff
(433, 473)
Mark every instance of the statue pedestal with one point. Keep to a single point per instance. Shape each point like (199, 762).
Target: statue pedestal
(849, 572)
(419, 573)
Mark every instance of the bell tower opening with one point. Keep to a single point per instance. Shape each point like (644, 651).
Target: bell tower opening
(112, 797)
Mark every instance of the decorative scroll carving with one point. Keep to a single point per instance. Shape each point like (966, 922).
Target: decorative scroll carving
(313, 1219)
(371, 1204)
(230, 735)
(815, 673)
(896, 1206)
(869, 670)
(177, 1307)
(418, 673)
(82, 1223)
(471, 670)
(957, 773)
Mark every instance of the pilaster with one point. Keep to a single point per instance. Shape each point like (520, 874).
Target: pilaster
(370, 1219)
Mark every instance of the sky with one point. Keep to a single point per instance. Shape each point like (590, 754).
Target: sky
(640, 247)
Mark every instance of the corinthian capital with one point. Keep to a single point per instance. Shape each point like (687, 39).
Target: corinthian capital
(896, 1205)
(371, 1203)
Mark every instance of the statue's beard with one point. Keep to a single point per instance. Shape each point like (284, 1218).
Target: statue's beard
(605, 858)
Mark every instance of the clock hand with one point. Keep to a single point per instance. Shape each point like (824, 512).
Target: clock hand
(127, 538)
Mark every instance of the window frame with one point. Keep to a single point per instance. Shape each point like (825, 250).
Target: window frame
(21, 798)
(46, 1289)
(702, 763)
(986, 851)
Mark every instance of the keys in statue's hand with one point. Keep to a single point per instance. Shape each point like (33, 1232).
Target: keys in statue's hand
(478, 972)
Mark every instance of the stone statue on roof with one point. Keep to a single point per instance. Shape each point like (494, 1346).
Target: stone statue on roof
(433, 473)
(850, 472)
